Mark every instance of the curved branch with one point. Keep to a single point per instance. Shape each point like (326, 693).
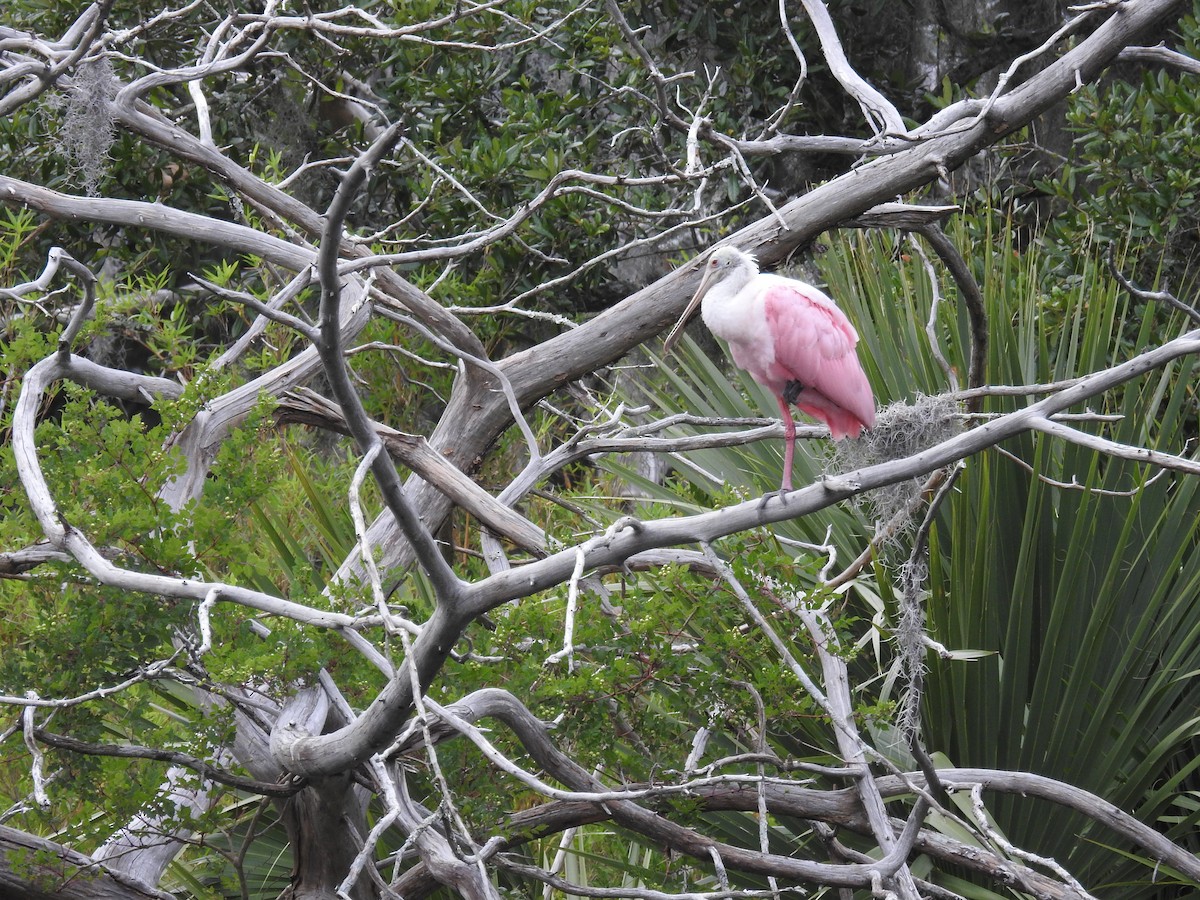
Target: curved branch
(972, 295)
(62, 535)
(200, 767)
(1142, 294)
(707, 527)
(880, 113)
(329, 347)
(840, 807)
(1093, 807)
(532, 735)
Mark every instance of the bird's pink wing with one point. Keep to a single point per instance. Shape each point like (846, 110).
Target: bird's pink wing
(814, 346)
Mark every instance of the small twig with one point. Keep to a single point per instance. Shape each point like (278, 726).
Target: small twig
(980, 815)
(421, 705)
(501, 761)
(931, 323)
(364, 546)
(776, 119)
(1142, 294)
(267, 311)
(59, 257)
(1161, 55)
(535, 454)
(1073, 484)
(971, 295)
(895, 525)
(827, 548)
(1005, 76)
(1115, 448)
(760, 739)
(763, 625)
(203, 117)
(560, 859)
(391, 803)
(35, 752)
(151, 671)
(692, 165)
(568, 650)
(912, 638)
(203, 614)
(1015, 390)
(290, 291)
(201, 767)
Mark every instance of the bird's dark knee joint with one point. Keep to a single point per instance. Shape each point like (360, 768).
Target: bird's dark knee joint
(791, 391)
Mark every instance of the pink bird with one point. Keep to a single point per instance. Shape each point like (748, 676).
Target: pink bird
(791, 338)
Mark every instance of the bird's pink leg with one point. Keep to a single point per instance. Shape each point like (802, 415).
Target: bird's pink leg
(789, 443)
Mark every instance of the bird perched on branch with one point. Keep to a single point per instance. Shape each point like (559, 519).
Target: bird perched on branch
(791, 338)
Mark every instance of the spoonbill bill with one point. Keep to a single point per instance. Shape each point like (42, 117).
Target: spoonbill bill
(791, 338)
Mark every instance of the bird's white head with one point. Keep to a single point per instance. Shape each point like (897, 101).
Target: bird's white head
(721, 264)
(729, 259)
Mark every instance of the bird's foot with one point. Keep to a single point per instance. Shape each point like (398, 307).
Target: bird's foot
(771, 495)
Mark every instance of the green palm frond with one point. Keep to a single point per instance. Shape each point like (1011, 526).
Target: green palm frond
(1074, 577)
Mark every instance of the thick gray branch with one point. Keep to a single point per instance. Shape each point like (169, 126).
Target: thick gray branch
(39, 869)
(383, 718)
(155, 217)
(329, 347)
(841, 807)
(708, 527)
(476, 415)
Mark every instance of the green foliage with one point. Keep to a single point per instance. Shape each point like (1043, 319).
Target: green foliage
(1065, 583)
(16, 225)
(1133, 176)
(105, 465)
(1084, 586)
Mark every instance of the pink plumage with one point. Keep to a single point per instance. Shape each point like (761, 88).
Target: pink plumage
(792, 339)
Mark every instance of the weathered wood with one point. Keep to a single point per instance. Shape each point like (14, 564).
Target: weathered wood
(39, 869)
(477, 414)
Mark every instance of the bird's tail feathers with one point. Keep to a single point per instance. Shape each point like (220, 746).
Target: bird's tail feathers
(842, 423)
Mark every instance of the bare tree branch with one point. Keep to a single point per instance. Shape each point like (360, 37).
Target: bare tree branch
(359, 772)
(200, 767)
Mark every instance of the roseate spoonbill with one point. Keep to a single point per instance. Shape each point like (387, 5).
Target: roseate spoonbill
(791, 338)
